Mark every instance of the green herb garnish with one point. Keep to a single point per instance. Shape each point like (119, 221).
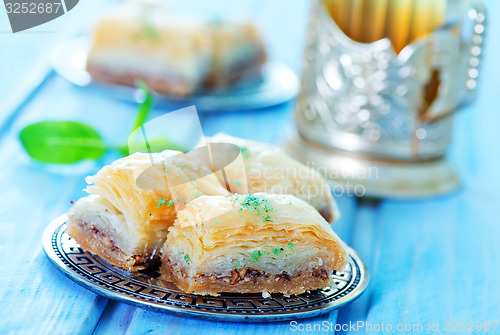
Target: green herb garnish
(186, 258)
(62, 142)
(68, 142)
(146, 105)
(149, 30)
(255, 256)
(257, 205)
(277, 251)
(245, 153)
(164, 202)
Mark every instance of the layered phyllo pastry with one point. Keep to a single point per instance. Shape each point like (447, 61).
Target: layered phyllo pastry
(134, 201)
(253, 243)
(269, 169)
(173, 57)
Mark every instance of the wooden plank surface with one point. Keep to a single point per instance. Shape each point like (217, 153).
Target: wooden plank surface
(26, 55)
(35, 297)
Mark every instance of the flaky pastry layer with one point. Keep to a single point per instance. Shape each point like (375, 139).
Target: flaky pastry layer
(247, 280)
(268, 169)
(274, 236)
(134, 201)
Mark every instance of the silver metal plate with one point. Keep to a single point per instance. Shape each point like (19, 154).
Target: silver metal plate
(145, 291)
(275, 84)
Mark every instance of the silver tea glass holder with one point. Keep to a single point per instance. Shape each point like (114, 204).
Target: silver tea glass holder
(367, 117)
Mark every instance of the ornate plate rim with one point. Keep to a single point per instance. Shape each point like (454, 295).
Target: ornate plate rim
(280, 84)
(53, 231)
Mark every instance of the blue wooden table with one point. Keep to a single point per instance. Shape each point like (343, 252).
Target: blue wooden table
(432, 261)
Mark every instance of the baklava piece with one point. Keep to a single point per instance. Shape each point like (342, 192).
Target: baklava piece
(133, 202)
(254, 243)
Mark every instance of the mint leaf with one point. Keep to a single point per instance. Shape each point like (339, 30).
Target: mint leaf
(62, 142)
(148, 28)
(145, 106)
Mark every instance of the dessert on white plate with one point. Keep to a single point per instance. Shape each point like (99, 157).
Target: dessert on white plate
(172, 56)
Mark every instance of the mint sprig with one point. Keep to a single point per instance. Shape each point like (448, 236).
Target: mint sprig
(67, 142)
(146, 105)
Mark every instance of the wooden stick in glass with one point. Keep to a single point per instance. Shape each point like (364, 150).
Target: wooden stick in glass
(374, 20)
(356, 19)
(398, 23)
(335, 9)
(428, 15)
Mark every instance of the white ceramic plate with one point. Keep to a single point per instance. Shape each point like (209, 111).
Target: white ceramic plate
(274, 85)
